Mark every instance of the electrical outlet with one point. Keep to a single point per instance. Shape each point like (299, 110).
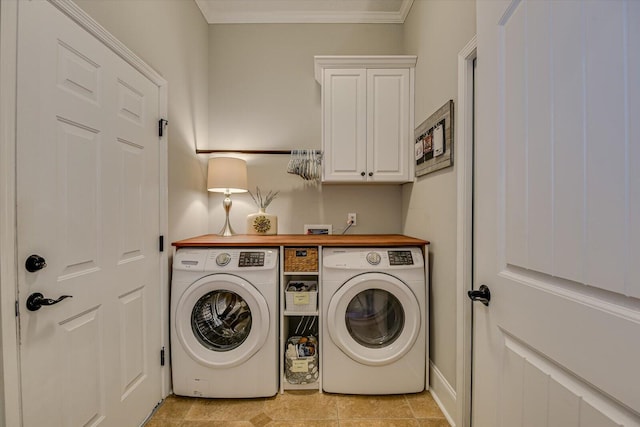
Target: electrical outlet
(352, 219)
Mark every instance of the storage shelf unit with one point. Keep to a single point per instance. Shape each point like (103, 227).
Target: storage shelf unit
(307, 269)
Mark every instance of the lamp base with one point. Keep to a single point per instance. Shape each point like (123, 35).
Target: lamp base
(227, 231)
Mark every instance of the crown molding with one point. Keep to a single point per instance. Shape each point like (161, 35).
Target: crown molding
(292, 16)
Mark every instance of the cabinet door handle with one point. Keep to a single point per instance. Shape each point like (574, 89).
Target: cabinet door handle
(370, 173)
(362, 173)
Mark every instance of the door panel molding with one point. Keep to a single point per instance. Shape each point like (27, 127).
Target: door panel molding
(550, 389)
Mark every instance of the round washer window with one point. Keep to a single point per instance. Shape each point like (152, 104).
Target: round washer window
(374, 318)
(221, 320)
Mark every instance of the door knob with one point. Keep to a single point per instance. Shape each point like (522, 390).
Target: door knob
(482, 295)
(34, 263)
(37, 300)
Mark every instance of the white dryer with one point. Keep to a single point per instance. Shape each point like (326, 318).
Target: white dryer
(224, 330)
(374, 318)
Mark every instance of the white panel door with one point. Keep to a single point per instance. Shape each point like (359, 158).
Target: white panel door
(557, 207)
(388, 125)
(88, 203)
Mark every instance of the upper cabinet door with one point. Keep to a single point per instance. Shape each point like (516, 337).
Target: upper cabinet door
(388, 125)
(344, 128)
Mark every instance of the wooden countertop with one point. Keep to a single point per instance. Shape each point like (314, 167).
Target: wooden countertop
(213, 240)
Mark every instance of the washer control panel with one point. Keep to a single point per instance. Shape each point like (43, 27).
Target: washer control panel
(251, 259)
(374, 258)
(223, 259)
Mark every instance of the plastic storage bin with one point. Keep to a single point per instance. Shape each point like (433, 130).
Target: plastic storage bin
(301, 295)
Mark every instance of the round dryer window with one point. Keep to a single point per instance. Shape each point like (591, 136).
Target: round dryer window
(221, 320)
(374, 318)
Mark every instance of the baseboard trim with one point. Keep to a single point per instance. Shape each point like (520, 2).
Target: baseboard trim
(443, 393)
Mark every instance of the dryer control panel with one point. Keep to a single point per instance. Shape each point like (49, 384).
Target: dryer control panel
(373, 259)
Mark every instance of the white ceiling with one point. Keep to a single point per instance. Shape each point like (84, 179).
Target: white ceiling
(304, 11)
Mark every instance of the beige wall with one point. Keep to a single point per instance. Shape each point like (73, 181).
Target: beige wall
(171, 36)
(252, 87)
(436, 30)
(263, 95)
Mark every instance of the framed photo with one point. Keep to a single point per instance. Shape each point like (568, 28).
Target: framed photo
(434, 141)
(318, 229)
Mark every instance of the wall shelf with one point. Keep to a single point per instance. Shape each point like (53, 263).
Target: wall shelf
(287, 152)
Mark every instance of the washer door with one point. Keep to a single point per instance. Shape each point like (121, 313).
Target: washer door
(222, 320)
(374, 319)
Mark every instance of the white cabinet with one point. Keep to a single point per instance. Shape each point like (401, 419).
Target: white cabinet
(367, 118)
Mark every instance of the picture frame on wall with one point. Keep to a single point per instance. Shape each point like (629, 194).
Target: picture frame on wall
(434, 141)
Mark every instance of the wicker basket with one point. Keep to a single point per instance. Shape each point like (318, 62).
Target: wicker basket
(301, 259)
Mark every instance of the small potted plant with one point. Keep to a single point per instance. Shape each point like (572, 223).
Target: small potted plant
(262, 222)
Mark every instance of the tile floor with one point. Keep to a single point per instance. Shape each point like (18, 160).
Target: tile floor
(301, 408)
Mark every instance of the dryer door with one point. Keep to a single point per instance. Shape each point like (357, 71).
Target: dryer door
(222, 320)
(374, 319)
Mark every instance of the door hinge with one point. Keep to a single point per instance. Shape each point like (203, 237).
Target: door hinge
(162, 357)
(17, 308)
(161, 243)
(161, 124)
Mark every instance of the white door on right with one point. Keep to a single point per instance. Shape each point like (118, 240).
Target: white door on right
(557, 214)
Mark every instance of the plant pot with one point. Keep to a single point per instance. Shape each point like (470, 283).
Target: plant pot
(262, 223)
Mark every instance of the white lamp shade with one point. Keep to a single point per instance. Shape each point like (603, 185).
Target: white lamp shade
(227, 175)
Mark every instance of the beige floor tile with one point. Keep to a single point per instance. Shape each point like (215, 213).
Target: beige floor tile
(216, 424)
(305, 423)
(423, 405)
(393, 422)
(260, 420)
(302, 409)
(302, 405)
(173, 408)
(434, 422)
(225, 409)
(357, 407)
(163, 423)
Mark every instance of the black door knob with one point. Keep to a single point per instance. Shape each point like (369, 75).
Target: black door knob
(482, 295)
(37, 300)
(34, 263)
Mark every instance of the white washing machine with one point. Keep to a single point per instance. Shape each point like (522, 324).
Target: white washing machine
(224, 330)
(374, 318)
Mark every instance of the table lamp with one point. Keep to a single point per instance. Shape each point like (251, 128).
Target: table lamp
(227, 175)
